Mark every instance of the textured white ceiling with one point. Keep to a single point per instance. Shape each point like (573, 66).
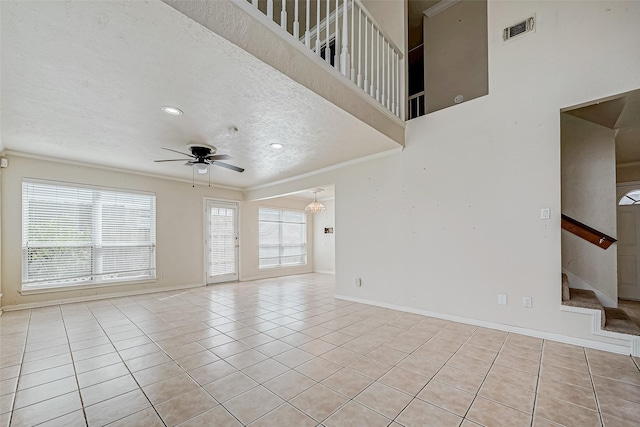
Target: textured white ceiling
(84, 81)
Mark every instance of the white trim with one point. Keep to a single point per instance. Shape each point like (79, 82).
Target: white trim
(320, 171)
(324, 272)
(98, 297)
(284, 274)
(613, 348)
(627, 165)
(87, 186)
(578, 283)
(80, 287)
(232, 204)
(629, 183)
(439, 7)
(113, 169)
(596, 328)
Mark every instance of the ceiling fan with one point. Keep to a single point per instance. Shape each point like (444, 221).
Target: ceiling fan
(202, 156)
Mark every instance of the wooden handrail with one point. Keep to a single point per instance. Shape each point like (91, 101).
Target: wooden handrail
(589, 234)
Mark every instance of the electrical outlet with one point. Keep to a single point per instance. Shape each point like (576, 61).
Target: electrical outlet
(358, 282)
(527, 302)
(502, 299)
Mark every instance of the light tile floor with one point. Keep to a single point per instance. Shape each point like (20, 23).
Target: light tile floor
(284, 352)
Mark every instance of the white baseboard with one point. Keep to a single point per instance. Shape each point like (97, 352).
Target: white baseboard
(578, 283)
(275, 275)
(324, 272)
(97, 297)
(613, 348)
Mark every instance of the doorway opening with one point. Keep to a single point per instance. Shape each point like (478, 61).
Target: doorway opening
(600, 161)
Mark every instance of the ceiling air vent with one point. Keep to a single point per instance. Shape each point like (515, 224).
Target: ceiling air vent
(522, 27)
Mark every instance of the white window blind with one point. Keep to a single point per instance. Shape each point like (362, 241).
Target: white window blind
(222, 241)
(282, 237)
(76, 235)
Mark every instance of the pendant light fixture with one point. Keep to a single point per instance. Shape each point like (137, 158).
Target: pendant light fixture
(315, 206)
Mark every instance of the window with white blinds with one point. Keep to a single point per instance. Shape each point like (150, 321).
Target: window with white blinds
(77, 235)
(282, 237)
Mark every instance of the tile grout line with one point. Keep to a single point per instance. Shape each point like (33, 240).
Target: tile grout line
(504, 342)
(535, 398)
(24, 350)
(124, 363)
(73, 363)
(593, 387)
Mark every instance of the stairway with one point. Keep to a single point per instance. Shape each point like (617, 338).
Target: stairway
(612, 319)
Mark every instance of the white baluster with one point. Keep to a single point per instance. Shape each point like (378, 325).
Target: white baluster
(393, 81)
(344, 55)
(307, 35)
(270, 9)
(254, 3)
(383, 71)
(296, 23)
(327, 51)
(388, 48)
(353, 44)
(378, 65)
(400, 96)
(283, 15)
(336, 40)
(365, 85)
(373, 58)
(359, 81)
(318, 27)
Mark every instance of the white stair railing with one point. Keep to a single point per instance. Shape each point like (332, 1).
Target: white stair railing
(347, 37)
(416, 105)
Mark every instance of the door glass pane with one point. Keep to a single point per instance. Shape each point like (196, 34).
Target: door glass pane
(222, 259)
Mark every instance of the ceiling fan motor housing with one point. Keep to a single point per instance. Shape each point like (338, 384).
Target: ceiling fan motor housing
(201, 151)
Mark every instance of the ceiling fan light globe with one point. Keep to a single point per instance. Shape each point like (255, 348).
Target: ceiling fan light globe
(202, 168)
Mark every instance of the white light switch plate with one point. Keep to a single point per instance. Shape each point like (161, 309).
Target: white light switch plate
(545, 213)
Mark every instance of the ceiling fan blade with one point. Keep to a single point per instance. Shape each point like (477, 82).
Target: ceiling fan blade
(171, 160)
(218, 157)
(179, 152)
(228, 166)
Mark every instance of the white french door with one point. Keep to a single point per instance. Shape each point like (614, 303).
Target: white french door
(221, 241)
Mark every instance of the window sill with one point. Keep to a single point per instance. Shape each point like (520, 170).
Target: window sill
(275, 267)
(81, 287)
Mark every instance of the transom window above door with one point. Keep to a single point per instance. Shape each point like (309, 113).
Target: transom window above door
(631, 198)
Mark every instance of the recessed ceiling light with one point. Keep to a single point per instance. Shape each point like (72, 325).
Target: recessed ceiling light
(172, 110)
(277, 145)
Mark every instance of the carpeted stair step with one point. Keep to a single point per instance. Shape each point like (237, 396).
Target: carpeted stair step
(619, 321)
(586, 299)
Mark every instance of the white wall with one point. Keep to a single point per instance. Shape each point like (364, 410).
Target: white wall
(179, 228)
(454, 219)
(324, 245)
(250, 235)
(589, 196)
(0, 235)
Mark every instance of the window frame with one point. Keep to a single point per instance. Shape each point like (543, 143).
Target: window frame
(281, 244)
(96, 276)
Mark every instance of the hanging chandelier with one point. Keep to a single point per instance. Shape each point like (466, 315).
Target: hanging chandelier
(315, 206)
